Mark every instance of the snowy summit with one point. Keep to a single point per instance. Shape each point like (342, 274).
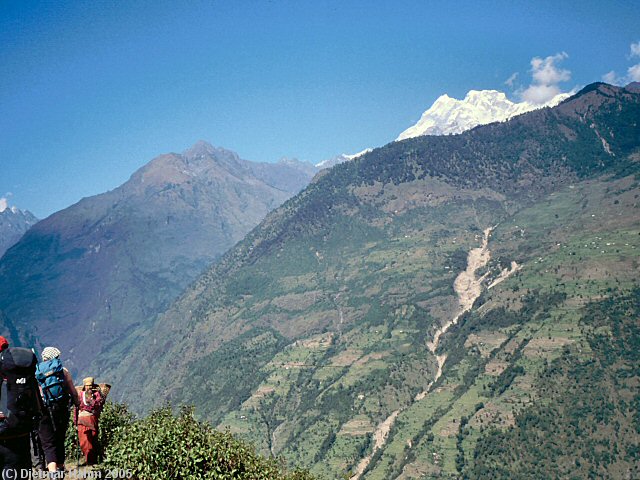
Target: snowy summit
(343, 157)
(448, 115)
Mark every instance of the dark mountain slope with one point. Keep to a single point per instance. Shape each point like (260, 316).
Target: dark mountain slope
(524, 158)
(87, 276)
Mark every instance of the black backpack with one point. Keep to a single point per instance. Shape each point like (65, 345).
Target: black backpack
(18, 368)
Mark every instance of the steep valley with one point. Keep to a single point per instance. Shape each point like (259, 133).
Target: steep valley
(444, 292)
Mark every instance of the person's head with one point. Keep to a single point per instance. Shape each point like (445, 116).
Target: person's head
(49, 353)
(4, 343)
(88, 383)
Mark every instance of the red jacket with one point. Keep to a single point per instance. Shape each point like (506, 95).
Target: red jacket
(91, 403)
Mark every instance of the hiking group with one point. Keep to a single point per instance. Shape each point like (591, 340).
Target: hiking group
(35, 412)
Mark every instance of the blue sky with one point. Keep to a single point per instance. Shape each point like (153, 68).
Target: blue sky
(91, 91)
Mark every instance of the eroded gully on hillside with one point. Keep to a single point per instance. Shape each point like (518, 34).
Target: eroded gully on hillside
(468, 287)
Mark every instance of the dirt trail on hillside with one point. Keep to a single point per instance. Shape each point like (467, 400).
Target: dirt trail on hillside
(506, 273)
(468, 288)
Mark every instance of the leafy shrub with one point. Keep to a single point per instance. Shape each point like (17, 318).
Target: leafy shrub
(168, 446)
(115, 419)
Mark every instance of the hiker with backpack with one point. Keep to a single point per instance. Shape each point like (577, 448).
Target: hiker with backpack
(57, 390)
(4, 344)
(23, 408)
(92, 399)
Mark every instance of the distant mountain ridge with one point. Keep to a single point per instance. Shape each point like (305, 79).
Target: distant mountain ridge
(289, 174)
(88, 276)
(13, 223)
(479, 107)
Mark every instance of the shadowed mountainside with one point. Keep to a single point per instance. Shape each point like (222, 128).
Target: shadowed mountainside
(88, 276)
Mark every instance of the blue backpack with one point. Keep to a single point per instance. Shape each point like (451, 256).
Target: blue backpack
(50, 376)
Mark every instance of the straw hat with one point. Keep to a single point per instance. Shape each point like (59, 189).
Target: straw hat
(88, 382)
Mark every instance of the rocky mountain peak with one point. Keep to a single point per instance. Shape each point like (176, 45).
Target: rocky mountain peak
(633, 87)
(7, 212)
(199, 149)
(115, 260)
(202, 160)
(343, 157)
(13, 223)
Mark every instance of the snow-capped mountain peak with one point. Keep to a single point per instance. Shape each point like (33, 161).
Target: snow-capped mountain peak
(448, 115)
(13, 223)
(359, 154)
(343, 157)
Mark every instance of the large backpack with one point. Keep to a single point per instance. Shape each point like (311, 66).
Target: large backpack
(17, 367)
(50, 376)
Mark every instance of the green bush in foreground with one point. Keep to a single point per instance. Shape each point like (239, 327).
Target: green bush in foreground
(114, 420)
(163, 445)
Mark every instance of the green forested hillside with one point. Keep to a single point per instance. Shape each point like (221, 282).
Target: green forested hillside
(587, 422)
(407, 314)
(520, 353)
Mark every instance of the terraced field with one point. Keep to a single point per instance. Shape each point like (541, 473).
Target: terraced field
(496, 355)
